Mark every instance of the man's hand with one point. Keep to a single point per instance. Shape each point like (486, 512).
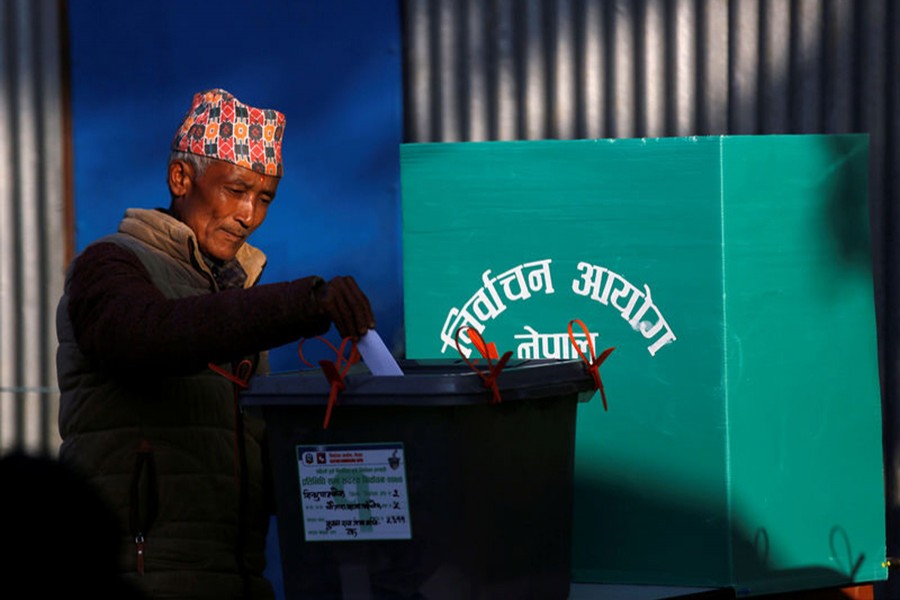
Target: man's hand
(347, 307)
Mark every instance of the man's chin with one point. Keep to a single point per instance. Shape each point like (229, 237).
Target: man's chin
(223, 254)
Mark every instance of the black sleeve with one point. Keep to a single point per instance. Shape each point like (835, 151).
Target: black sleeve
(123, 321)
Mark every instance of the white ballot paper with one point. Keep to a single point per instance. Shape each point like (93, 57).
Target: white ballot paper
(376, 355)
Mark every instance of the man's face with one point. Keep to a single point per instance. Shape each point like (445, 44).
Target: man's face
(223, 206)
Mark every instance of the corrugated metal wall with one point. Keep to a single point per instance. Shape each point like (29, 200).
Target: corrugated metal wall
(531, 69)
(32, 216)
(528, 69)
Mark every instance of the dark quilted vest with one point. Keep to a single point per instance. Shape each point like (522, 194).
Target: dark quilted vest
(162, 450)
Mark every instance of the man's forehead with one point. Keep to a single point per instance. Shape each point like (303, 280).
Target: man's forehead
(226, 169)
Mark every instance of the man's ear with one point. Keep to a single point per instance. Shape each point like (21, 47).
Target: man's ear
(180, 178)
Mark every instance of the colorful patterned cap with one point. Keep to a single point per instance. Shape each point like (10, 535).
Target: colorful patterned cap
(220, 126)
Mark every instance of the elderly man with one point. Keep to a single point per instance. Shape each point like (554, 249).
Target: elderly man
(157, 322)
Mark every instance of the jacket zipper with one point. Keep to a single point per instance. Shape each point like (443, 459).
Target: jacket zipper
(143, 487)
(139, 544)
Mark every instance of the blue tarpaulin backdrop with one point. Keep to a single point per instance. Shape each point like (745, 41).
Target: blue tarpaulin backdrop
(333, 68)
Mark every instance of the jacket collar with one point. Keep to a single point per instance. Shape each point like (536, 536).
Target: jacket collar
(167, 234)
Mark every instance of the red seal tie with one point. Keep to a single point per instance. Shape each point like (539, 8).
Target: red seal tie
(593, 365)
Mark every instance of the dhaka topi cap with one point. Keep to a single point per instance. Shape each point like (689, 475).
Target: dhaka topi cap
(220, 126)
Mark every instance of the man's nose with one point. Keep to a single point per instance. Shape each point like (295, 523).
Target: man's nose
(246, 211)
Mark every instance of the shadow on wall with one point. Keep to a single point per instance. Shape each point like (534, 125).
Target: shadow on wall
(848, 203)
(701, 557)
(57, 537)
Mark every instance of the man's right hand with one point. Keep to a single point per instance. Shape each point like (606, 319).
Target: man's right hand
(347, 306)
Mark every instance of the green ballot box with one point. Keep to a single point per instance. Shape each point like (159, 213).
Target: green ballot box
(742, 443)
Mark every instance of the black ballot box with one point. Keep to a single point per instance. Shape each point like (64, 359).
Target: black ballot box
(424, 485)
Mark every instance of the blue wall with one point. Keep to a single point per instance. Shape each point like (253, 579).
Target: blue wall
(332, 66)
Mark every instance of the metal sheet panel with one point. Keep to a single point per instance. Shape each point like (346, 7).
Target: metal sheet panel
(33, 247)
